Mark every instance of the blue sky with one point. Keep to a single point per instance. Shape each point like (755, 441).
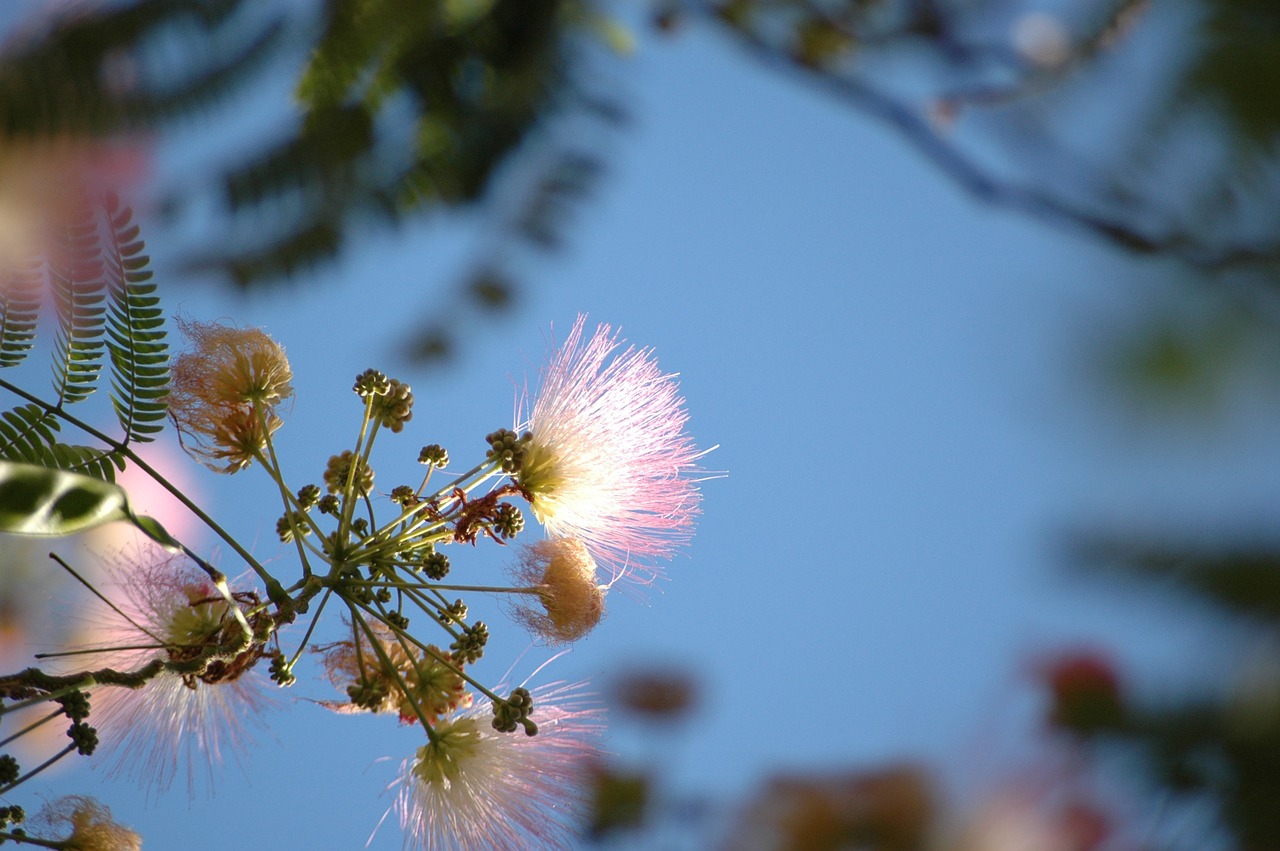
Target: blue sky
(898, 380)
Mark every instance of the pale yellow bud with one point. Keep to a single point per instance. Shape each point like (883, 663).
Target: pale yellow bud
(564, 573)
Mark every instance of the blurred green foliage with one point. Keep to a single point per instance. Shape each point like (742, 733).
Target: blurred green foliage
(1237, 69)
(408, 107)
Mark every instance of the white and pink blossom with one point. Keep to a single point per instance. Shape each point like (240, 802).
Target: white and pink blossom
(473, 787)
(169, 610)
(608, 460)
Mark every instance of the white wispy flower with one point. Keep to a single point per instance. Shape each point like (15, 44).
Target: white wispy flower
(89, 823)
(608, 461)
(168, 609)
(474, 788)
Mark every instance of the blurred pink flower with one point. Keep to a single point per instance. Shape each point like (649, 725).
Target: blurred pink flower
(1018, 821)
(168, 609)
(149, 497)
(608, 460)
(476, 788)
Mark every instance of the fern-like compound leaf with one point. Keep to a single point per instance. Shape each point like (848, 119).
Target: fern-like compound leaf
(29, 434)
(19, 309)
(139, 354)
(75, 277)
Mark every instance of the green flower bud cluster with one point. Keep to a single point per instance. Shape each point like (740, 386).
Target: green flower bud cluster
(84, 737)
(436, 566)
(469, 646)
(395, 408)
(291, 525)
(338, 471)
(372, 383)
(506, 448)
(282, 671)
(404, 496)
(455, 612)
(367, 694)
(507, 520)
(514, 712)
(434, 455)
(75, 705)
(12, 815)
(9, 769)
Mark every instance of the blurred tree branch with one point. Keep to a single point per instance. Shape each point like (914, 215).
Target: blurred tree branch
(828, 46)
(402, 108)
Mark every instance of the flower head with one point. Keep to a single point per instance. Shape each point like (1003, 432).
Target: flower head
(436, 688)
(473, 787)
(895, 804)
(91, 826)
(564, 573)
(169, 610)
(225, 390)
(1086, 691)
(607, 460)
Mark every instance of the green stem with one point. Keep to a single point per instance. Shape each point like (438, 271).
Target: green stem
(443, 660)
(114, 648)
(39, 768)
(311, 627)
(391, 668)
(427, 586)
(348, 488)
(431, 609)
(31, 840)
(272, 465)
(33, 725)
(86, 583)
(42, 698)
(486, 467)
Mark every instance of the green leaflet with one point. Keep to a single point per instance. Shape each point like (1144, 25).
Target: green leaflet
(39, 501)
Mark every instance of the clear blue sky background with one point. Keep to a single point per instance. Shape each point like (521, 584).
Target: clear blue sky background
(899, 382)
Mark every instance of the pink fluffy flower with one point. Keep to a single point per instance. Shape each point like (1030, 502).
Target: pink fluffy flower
(173, 720)
(476, 788)
(608, 461)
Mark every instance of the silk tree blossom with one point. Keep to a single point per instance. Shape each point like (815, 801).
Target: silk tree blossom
(90, 825)
(572, 602)
(473, 787)
(607, 460)
(225, 391)
(436, 688)
(168, 609)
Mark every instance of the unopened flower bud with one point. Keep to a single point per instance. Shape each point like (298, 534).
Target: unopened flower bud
(507, 520)
(338, 472)
(434, 455)
(506, 448)
(404, 496)
(436, 566)
(371, 382)
(395, 408)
